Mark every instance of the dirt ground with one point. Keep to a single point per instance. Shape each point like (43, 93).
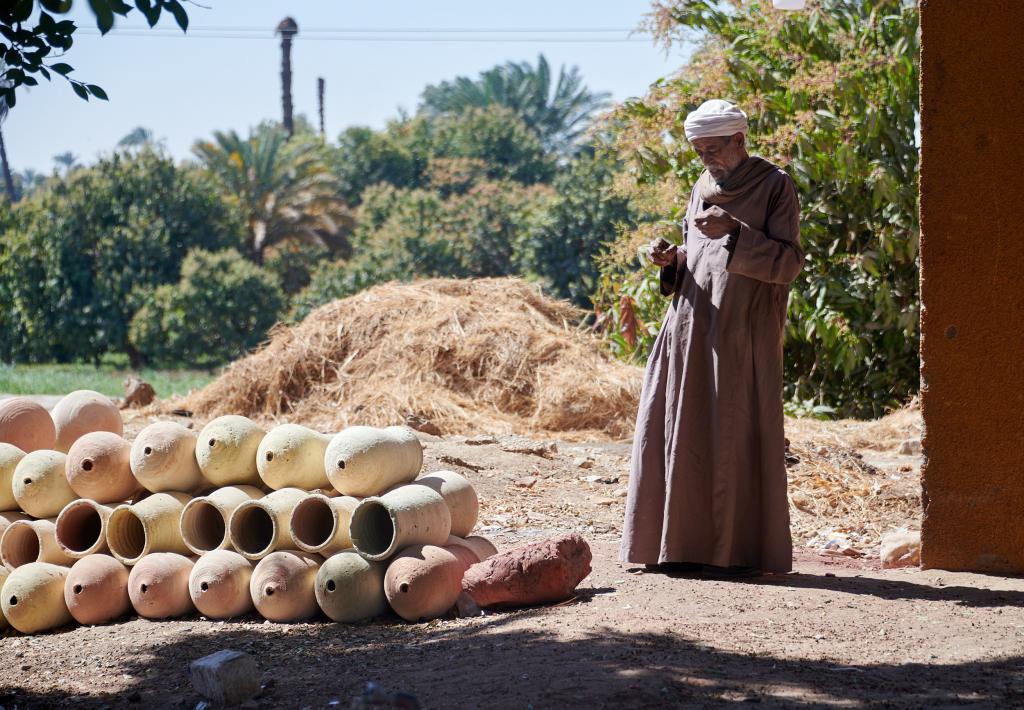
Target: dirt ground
(839, 631)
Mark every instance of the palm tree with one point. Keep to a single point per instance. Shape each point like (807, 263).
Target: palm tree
(287, 28)
(68, 159)
(8, 179)
(284, 188)
(137, 138)
(559, 114)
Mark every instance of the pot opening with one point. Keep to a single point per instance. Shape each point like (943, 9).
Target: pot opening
(252, 529)
(87, 465)
(331, 586)
(313, 522)
(372, 529)
(20, 545)
(79, 528)
(126, 535)
(202, 526)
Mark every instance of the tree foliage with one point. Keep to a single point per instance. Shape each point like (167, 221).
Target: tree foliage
(832, 94)
(558, 110)
(29, 50)
(76, 254)
(222, 306)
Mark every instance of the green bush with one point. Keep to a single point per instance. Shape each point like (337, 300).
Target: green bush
(222, 306)
(75, 255)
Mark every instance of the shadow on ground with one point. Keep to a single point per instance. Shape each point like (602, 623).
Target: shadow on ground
(496, 663)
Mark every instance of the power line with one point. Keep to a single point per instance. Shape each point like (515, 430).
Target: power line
(383, 30)
(494, 40)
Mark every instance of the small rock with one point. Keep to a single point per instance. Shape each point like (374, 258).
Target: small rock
(226, 677)
(137, 392)
(583, 462)
(901, 548)
(620, 492)
(422, 424)
(607, 501)
(480, 441)
(591, 479)
(528, 482)
(910, 447)
(822, 451)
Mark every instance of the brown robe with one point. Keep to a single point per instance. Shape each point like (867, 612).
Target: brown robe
(708, 474)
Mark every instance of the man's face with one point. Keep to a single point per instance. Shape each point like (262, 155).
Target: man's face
(720, 154)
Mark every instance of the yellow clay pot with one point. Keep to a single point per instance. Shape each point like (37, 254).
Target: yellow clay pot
(40, 486)
(163, 458)
(404, 516)
(292, 456)
(204, 521)
(27, 541)
(320, 523)
(282, 586)
(366, 461)
(226, 451)
(350, 588)
(258, 527)
(460, 496)
(32, 598)
(146, 527)
(10, 455)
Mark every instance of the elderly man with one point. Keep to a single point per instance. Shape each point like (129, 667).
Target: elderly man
(707, 489)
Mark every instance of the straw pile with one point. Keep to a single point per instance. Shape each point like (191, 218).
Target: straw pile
(469, 356)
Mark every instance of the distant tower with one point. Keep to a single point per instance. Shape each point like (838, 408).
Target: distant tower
(287, 29)
(320, 102)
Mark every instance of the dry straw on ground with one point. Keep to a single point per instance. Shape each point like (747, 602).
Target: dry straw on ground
(470, 356)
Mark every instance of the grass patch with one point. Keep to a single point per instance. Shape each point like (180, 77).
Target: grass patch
(106, 378)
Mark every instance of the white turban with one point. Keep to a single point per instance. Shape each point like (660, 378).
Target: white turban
(715, 118)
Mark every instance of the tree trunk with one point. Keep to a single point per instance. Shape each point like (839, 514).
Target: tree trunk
(320, 103)
(286, 82)
(8, 179)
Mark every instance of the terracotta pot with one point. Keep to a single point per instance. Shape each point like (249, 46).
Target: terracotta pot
(423, 581)
(219, 584)
(204, 521)
(350, 588)
(292, 456)
(226, 451)
(4, 572)
(39, 484)
(98, 467)
(9, 516)
(26, 424)
(258, 527)
(26, 541)
(96, 590)
(81, 412)
(366, 461)
(282, 586)
(10, 455)
(480, 546)
(407, 515)
(32, 598)
(460, 496)
(320, 523)
(163, 458)
(149, 526)
(158, 586)
(82, 528)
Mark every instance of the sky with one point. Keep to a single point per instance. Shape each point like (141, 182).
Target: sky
(225, 73)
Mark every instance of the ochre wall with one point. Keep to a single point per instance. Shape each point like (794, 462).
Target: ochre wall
(972, 283)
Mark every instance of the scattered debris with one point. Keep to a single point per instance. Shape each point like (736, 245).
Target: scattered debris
(422, 424)
(137, 392)
(226, 677)
(522, 445)
(528, 482)
(901, 548)
(583, 462)
(910, 447)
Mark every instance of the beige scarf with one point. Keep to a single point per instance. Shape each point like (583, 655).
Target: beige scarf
(749, 174)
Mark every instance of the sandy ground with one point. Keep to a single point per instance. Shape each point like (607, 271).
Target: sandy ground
(839, 631)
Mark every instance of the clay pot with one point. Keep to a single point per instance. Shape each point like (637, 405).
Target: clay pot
(226, 451)
(407, 515)
(163, 458)
(40, 486)
(320, 523)
(149, 526)
(423, 581)
(292, 456)
(96, 590)
(9, 516)
(460, 496)
(480, 546)
(26, 541)
(98, 466)
(282, 586)
(10, 455)
(258, 527)
(366, 461)
(3, 578)
(350, 588)
(81, 412)
(219, 584)
(82, 528)
(204, 522)
(158, 586)
(32, 598)
(26, 424)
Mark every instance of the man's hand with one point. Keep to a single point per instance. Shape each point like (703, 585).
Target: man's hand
(661, 253)
(715, 223)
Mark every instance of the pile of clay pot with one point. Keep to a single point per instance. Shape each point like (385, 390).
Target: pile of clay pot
(287, 521)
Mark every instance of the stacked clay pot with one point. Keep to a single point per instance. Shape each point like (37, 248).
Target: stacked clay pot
(287, 521)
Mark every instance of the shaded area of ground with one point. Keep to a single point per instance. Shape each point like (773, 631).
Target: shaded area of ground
(630, 640)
